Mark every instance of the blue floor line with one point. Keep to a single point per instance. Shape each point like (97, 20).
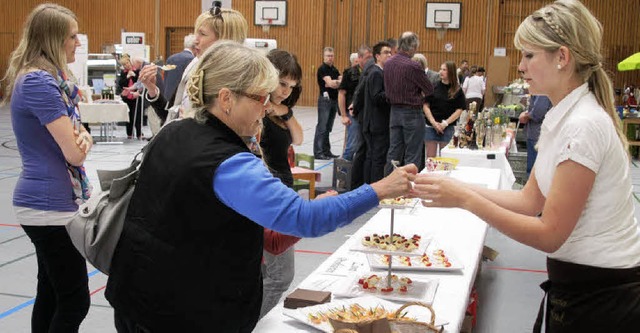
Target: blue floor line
(323, 166)
(31, 301)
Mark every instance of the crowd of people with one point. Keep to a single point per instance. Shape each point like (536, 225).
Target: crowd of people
(236, 124)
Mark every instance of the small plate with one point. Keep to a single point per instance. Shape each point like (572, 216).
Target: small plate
(416, 263)
(422, 245)
(408, 203)
(420, 290)
(168, 67)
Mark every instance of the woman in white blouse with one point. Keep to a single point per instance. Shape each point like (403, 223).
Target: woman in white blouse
(577, 205)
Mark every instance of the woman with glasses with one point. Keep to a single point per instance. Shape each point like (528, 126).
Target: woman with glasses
(189, 256)
(213, 25)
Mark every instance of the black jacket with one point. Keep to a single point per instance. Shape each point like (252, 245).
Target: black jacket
(375, 118)
(185, 261)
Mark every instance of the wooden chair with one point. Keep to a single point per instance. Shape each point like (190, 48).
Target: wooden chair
(303, 161)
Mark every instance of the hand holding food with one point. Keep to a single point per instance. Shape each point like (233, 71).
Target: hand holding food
(398, 183)
(148, 76)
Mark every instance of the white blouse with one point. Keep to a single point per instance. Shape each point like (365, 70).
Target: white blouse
(607, 234)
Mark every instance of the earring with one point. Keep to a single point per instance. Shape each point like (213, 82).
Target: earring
(559, 67)
(227, 112)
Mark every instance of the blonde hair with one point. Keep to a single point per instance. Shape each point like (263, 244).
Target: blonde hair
(421, 59)
(41, 45)
(125, 59)
(569, 23)
(230, 24)
(227, 64)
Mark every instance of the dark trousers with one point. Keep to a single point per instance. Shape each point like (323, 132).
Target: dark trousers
(126, 325)
(62, 299)
(532, 154)
(583, 298)
(406, 137)
(135, 116)
(376, 156)
(327, 109)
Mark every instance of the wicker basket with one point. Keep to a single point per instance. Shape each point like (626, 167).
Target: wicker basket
(399, 325)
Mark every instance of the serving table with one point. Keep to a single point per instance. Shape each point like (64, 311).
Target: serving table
(105, 114)
(459, 231)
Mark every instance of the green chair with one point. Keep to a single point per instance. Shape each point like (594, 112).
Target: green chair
(303, 161)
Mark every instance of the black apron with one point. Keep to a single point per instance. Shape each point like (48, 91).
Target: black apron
(581, 298)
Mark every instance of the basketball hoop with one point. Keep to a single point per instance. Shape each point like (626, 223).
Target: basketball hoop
(265, 27)
(441, 29)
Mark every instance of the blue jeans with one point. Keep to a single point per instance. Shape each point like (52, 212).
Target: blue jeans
(532, 154)
(327, 109)
(277, 274)
(354, 139)
(406, 137)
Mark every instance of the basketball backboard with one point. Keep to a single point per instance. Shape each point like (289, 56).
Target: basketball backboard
(447, 13)
(270, 12)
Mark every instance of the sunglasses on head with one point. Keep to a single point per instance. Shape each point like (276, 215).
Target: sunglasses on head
(216, 10)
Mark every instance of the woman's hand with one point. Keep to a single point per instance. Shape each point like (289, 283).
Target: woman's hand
(440, 191)
(396, 184)
(84, 141)
(148, 76)
(438, 127)
(329, 193)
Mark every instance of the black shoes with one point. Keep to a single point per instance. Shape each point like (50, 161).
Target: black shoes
(328, 156)
(322, 157)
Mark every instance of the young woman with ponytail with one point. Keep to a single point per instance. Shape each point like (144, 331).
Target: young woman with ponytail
(578, 204)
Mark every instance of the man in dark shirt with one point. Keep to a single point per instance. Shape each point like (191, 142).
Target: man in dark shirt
(406, 87)
(180, 60)
(375, 119)
(350, 79)
(328, 81)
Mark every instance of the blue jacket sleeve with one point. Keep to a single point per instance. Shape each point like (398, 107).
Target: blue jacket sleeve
(243, 183)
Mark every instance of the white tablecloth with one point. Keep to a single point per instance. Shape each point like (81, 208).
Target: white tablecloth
(461, 233)
(103, 113)
(493, 159)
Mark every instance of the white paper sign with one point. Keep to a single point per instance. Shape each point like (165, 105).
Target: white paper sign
(500, 52)
(133, 43)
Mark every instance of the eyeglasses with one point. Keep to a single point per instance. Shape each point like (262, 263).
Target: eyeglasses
(264, 100)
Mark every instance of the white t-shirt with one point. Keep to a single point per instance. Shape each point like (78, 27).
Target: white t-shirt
(607, 234)
(474, 87)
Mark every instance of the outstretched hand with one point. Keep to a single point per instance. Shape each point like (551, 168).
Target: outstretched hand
(440, 191)
(398, 183)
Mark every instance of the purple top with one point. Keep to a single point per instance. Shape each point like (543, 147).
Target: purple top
(405, 82)
(44, 183)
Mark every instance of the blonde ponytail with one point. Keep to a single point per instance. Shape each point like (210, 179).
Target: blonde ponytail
(601, 86)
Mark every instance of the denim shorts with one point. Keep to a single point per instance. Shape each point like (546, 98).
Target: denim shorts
(430, 134)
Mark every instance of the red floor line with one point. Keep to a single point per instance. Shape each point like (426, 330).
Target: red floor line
(97, 290)
(314, 252)
(10, 225)
(518, 269)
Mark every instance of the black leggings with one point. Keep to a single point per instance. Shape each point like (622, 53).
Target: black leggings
(62, 299)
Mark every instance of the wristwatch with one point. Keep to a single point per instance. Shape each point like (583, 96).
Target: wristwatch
(287, 116)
